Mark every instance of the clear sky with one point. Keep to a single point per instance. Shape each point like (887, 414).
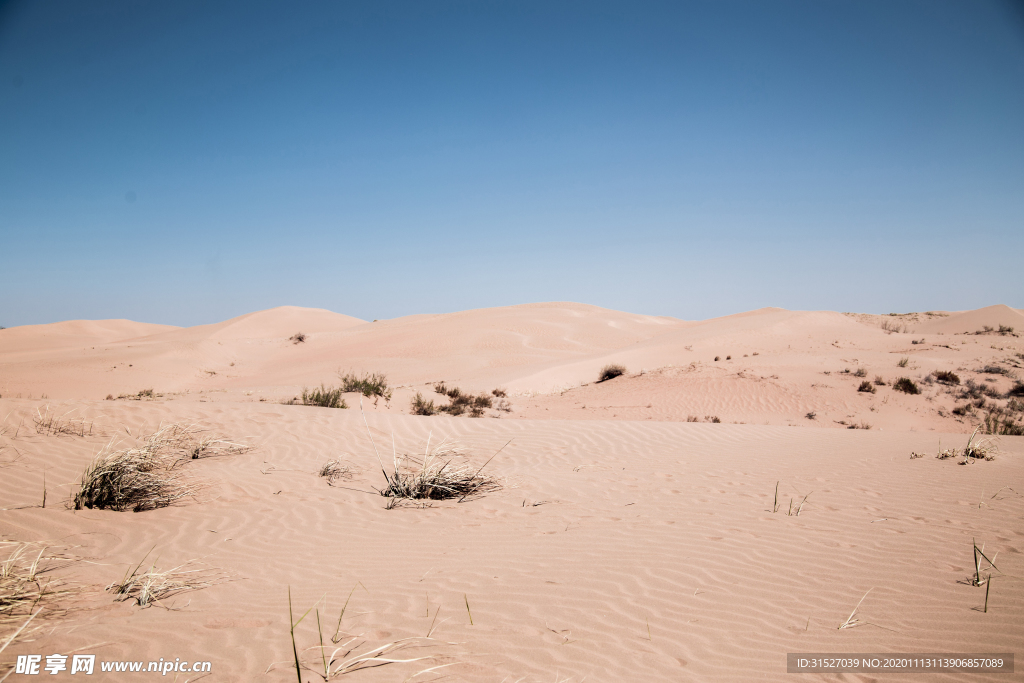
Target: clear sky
(186, 162)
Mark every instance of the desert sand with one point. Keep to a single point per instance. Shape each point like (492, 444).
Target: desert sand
(730, 498)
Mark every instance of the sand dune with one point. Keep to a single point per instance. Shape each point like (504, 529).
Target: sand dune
(974, 321)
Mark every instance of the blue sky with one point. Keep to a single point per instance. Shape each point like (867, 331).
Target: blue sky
(187, 162)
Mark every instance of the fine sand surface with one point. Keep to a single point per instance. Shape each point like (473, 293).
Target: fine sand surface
(626, 544)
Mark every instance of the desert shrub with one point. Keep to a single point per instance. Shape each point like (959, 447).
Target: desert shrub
(811, 415)
(862, 425)
(716, 358)
(421, 406)
(612, 371)
(999, 423)
(861, 372)
(903, 362)
(1015, 406)
(712, 418)
(1016, 390)
(499, 393)
(964, 409)
(994, 370)
(947, 377)
(297, 338)
(891, 326)
(867, 386)
(879, 382)
(371, 385)
(325, 397)
(906, 385)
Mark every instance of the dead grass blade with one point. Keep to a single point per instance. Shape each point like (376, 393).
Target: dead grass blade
(152, 586)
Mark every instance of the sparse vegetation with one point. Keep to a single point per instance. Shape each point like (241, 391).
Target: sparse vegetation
(861, 372)
(867, 386)
(613, 370)
(371, 385)
(459, 402)
(946, 377)
(879, 382)
(906, 385)
(297, 338)
(862, 425)
(811, 415)
(499, 393)
(903, 362)
(983, 449)
(994, 370)
(324, 397)
(892, 326)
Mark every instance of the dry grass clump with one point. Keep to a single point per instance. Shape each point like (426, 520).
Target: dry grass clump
(371, 385)
(1016, 390)
(297, 338)
(906, 385)
(612, 371)
(147, 477)
(52, 424)
(891, 326)
(946, 377)
(983, 449)
(861, 372)
(879, 381)
(421, 406)
(441, 473)
(867, 386)
(324, 397)
(332, 470)
(151, 586)
(26, 588)
(903, 362)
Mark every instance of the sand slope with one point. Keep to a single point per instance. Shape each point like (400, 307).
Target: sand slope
(619, 551)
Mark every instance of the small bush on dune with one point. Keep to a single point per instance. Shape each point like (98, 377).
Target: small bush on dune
(612, 371)
(499, 393)
(460, 402)
(994, 370)
(324, 397)
(879, 382)
(861, 372)
(867, 387)
(903, 362)
(946, 377)
(371, 385)
(297, 338)
(906, 385)
(1016, 390)
(421, 406)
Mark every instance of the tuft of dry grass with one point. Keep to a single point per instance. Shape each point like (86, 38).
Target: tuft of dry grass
(27, 589)
(441, 473)
(151, 586)
(906, 385)
(147, 476)
(332, 470)
(983, 449)
(52, 424)
(867, 387)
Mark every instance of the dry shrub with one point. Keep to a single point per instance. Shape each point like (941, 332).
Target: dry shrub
(947, 377)
(324, 397)
(867, 386)
(906, 385)
(612, 371)
(983, 449)
(421, 406)
(147, 477)
(371, 385)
